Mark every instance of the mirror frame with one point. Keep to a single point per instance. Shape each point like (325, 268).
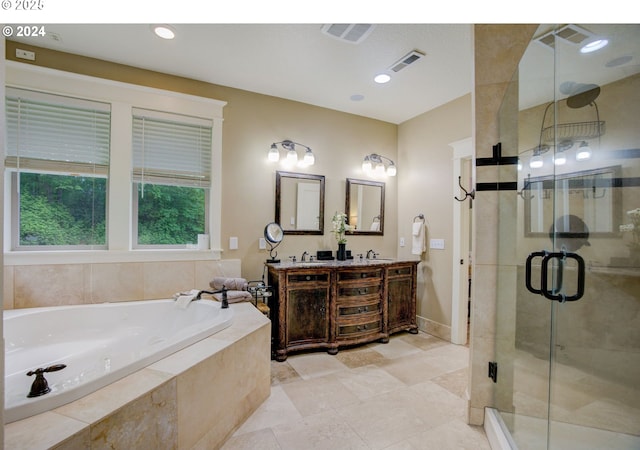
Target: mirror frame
(381, 185)
(550, 180)
(300, 176)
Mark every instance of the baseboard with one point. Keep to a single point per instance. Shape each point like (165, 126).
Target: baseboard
(434, 328)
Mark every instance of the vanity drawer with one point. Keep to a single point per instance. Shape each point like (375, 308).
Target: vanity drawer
(350, 330)
(359, 274)
(306, 277)
(346, 292)
(347, 310)
(399, 271)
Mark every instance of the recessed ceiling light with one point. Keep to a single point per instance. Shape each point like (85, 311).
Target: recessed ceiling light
(382, 78)
(592, 46)
(164, 31)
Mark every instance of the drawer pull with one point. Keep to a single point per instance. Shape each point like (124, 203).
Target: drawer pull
(363, 275)
(362, 291)
(308, 277)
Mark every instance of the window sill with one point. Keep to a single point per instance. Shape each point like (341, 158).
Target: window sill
(30, 258)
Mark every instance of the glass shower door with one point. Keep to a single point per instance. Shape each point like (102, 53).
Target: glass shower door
(594, 399)
(568, 341)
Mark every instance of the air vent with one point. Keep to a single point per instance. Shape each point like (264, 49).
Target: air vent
(351, 33)
(572, 34)
(407, 59)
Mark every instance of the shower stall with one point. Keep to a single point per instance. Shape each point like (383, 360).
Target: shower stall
(568, 313)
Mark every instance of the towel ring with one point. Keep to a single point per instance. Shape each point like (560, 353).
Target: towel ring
(419, 216)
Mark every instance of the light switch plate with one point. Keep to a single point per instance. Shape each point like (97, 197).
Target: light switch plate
(262, 243)
(436, 243)
(233, 243)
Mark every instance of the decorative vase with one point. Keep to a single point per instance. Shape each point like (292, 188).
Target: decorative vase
(341, 255)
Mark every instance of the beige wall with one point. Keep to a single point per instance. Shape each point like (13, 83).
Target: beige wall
(251, 123)
(425, 188)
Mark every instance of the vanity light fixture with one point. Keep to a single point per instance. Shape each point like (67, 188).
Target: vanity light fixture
(308, 158)
(378, 165)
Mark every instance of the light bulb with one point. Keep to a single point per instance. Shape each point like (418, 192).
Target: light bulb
(274, 154)
(584, 152)
(309, 158)
(292, 156)
(366, 164)
(559, 159)
(380, 169)
(536, 162)
(391, 170)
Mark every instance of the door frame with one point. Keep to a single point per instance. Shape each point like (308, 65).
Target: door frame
(462, 152)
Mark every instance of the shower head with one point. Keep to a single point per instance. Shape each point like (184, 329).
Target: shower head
(582, 95)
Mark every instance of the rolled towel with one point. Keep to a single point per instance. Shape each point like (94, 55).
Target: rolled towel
(235, 296)
(232, 284)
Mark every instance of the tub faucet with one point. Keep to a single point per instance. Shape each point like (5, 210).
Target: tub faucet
(303, 258)
(40, 386)
(225, 298)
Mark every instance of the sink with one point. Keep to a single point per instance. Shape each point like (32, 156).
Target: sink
(311, 263)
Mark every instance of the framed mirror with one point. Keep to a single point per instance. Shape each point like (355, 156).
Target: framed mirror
(591, 195)
(364, 206)
(300, 203)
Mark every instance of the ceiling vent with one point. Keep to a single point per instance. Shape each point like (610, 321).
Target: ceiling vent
(407, 59)
(571, 34)
(351, 33)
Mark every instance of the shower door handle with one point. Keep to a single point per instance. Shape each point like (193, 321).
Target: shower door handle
(554, 293)
(530, 258)
(561, 257)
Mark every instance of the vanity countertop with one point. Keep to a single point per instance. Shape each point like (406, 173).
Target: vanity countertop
(356, 262)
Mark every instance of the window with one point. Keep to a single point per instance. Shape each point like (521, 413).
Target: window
(58, 157)
(171, 178)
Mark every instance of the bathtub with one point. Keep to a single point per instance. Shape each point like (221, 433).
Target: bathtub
(99, 344)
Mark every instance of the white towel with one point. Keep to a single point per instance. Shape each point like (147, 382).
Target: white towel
(184, 299)
(418, 244)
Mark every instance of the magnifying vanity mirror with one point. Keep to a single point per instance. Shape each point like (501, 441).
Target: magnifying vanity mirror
(273, 234)
(364, 206)
(300, 203)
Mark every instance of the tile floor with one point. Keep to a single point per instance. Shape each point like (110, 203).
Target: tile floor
(404, 395)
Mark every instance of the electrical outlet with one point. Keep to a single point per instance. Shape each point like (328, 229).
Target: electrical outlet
(401, 242)
(25, 54)
(262, 244)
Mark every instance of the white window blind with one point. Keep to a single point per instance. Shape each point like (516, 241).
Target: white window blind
(171, 149)
(47, 132)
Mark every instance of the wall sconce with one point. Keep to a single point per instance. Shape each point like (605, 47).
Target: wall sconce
(378, 165)
(292, 155)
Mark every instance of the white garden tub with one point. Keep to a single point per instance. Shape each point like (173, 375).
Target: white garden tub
(99, 344)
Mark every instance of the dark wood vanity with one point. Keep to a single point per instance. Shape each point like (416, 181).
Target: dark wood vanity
(334, 304)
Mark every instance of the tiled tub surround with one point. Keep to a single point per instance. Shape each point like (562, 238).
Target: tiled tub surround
(83, 280)
(193, 399)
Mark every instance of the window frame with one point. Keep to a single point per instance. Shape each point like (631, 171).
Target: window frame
(123, 97)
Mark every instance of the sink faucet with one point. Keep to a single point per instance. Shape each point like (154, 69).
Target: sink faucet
(303, 258)
(225, 298)
(371, 254)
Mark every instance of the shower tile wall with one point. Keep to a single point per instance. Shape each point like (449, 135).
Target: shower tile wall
(498, 49)
(67, 284)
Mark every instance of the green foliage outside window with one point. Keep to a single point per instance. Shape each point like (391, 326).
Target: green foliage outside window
(62, 210)
(170, 215)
